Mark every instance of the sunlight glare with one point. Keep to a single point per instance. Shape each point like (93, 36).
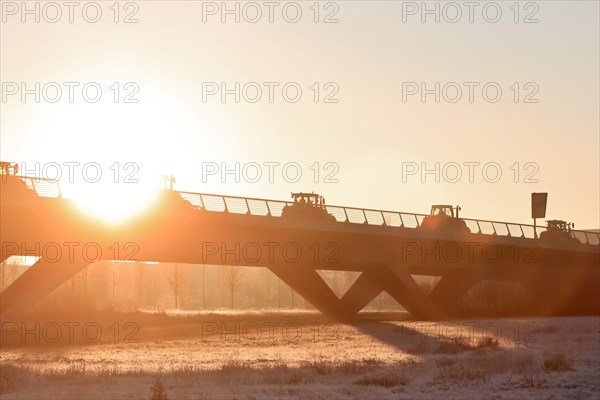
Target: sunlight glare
(113, 203)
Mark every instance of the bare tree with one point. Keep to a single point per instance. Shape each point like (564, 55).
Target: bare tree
(140, 277)
(269, 296)
(292, 293)
(107, 282)
(176, 280)
(233, 279)
(76, 289)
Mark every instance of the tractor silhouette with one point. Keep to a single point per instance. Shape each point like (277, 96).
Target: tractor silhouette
(558, 230)
(444, 217)
(307, 205)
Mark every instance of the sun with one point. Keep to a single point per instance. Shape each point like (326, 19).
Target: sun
(113, 203)
(139, 141)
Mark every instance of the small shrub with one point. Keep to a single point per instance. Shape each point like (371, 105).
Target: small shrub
(557, 362)
(158, 391)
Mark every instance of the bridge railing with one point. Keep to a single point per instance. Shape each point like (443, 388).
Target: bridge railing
(44, 187)
(274, 208)
(235, 205)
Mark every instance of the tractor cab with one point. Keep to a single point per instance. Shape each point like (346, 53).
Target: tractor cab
(309, 199)
(444, 217)
(19, 189)
(559, 225)
(444, 210)
(558, 230)
(305, 205)
(9, 168)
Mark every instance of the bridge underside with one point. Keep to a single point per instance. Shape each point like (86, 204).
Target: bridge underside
(572, 296)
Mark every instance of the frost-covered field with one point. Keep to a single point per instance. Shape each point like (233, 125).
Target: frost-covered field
(302, 355)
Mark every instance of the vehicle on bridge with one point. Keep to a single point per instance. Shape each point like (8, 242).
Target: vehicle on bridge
(9, 168)
(559, 230)
(444, 217)
(307, 205)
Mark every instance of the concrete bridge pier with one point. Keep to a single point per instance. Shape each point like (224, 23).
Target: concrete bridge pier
(306, 281)
(37, 282)
(399, 284)
(366, 287)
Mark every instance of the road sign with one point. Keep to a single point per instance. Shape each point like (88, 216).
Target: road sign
(538, 205)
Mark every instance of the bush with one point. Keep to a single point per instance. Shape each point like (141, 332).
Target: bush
(557, 362)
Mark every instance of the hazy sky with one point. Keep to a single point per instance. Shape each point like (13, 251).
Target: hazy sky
(367, 61)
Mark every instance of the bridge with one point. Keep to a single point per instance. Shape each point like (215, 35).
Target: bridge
(561, 275)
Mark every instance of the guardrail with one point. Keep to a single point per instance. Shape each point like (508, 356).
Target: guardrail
(44, 187)
(274, 208)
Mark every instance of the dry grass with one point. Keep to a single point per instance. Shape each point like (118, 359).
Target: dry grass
(548, 329)
(383, 379)
(445, 362)
(487, 342)
(459, 344)
(459, 373)
(379, 364)
(453, 345)
(524, 364)
(482, 367)
(557, 362)
(9, 379)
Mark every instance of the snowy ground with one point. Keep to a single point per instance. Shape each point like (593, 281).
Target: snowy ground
(301, 355)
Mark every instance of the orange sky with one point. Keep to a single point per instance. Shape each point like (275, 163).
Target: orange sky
(170, 55)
